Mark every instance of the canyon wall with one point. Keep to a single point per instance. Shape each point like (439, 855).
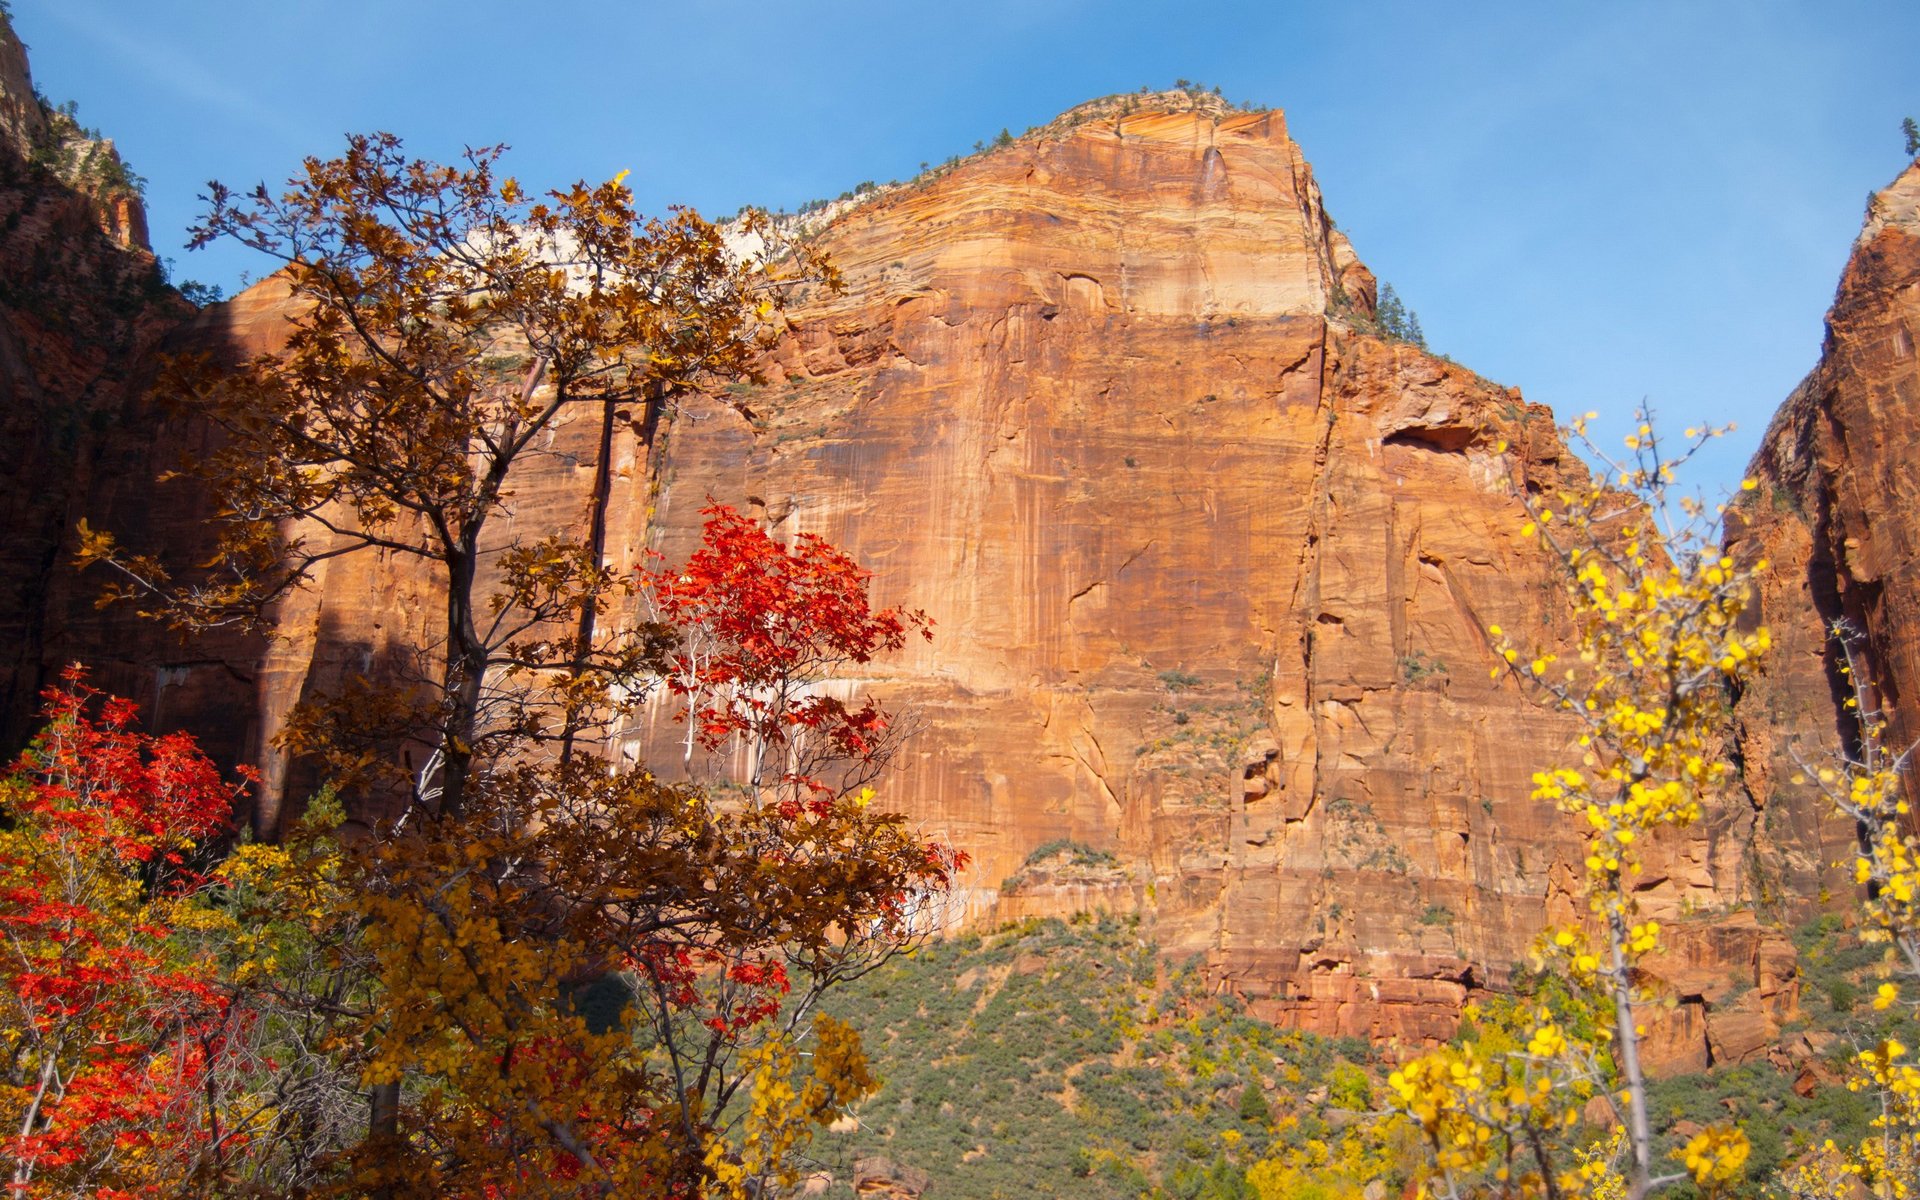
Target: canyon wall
(1210, 563)
(1837, 514)
(1211, 566)
(82, 304)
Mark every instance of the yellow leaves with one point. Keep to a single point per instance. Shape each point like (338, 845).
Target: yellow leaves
(1642, 938)
(760, 1150)
(1715, 1155)
(1657, 629)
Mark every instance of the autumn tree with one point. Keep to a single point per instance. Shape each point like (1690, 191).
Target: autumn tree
(168, 1028)
(444, 322)
(447, 322)
(717, 923)
(106, 1034)
(1657, 639)
(758, 627)
(1866, 787)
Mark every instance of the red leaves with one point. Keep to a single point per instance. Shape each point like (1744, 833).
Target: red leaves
(97, 783)
(761, 624)
(111, 1035)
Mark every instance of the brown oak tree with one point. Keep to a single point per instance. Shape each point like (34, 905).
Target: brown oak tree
(445, 321)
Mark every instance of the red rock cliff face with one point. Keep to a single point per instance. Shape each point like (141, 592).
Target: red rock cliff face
(1838, 514)
(1211, 569)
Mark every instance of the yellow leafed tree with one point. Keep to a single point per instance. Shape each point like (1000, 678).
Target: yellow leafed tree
(1657, 640)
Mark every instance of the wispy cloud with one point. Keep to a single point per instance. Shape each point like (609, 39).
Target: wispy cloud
(170, 68)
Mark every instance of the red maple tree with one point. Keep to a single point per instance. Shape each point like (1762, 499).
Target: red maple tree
(760, 628)
(110, 1030)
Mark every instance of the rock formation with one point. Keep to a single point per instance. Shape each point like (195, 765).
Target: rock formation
(1211, 563)
(1837, 513)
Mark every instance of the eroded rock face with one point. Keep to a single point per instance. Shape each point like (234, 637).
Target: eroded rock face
(1837, 513)
(1211, 567)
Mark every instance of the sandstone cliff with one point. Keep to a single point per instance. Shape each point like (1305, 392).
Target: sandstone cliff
(1211, 567)
(1210, 564)
(1837, 513)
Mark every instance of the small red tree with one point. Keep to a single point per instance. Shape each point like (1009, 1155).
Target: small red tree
(760, 627)
(106, 1033)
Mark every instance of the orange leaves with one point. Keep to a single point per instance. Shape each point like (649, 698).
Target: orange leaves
(717, 928)
(388, 421)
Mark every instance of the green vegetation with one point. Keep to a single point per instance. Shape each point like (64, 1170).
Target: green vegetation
(1076, 853)
(1838, 970)
(1179, 681)
(1396, 320)
(1420, 665)
(1067, 1060)
(1059, 852)
(81, 157)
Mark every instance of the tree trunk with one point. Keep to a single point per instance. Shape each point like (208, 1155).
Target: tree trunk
(596, 551)
(466, 670)
(383, 1127)
(1626, 1036)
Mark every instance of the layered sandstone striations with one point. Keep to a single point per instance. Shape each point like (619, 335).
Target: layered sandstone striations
(1838, 514)
(1211, 567)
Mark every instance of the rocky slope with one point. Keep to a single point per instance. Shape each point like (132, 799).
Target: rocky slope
(1838, 514)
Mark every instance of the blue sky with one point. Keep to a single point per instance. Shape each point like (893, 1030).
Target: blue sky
(1597, 203)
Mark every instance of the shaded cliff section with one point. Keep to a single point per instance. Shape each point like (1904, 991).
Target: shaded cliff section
(85, 312)
(82, 302)
(1837, 514)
